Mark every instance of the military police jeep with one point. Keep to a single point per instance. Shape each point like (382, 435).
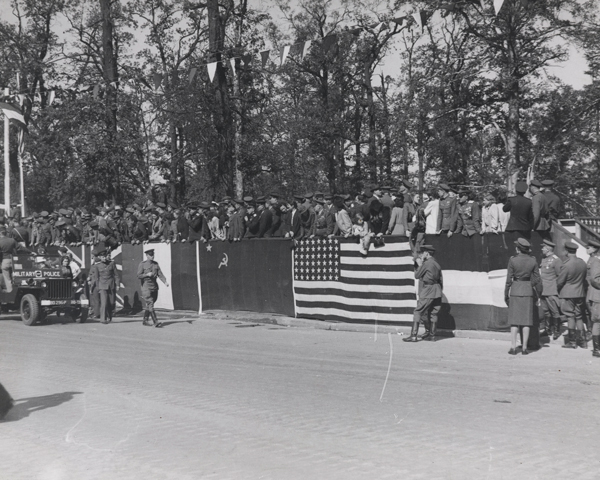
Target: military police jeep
(39, 289)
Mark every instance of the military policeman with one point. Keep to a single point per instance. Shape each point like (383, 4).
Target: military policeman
(593, 293)
(523, 283)
(148, 272)
(571, 290)
(429, 274)
(549, 270)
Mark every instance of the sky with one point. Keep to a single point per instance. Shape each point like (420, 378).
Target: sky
(571, 72)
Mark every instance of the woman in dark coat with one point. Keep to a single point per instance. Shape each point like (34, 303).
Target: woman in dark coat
(523, 287)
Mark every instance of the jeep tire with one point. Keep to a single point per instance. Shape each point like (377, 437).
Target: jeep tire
(30, 309)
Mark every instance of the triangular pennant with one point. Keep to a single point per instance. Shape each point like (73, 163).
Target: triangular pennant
(51, 96)
(192, 75)
(306, 48)
(377, 28)
(96, 91)
(398, 20)
(283, 54)
(157, 78)
(328, 42)
(418, 16)
(498, 5)
(264, 56)
(212, 68)
(246, 58)
(21, 99)
(232, 63)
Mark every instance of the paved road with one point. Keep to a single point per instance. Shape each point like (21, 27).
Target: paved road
(213, 398)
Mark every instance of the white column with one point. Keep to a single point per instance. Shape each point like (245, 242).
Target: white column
(6, 161)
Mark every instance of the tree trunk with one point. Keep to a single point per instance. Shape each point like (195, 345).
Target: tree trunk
(110, 73)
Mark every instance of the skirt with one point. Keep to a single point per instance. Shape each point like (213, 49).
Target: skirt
(520, 311)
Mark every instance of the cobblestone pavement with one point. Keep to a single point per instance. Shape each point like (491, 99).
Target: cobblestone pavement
(210, 397)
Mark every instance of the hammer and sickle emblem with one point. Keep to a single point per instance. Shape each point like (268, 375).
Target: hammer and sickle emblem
(224, 261)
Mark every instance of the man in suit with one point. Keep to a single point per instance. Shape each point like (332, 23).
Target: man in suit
(571, 290)
(105, 279)
(550, 303)
(429, 274)
(148, 272)
(521, 212)
(539, 207)
(593, 293)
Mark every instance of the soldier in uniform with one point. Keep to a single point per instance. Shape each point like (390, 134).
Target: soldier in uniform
(553, 200)
(571, 290)
(429, 274)
(148, 272)
(448, 216)
(521, 212)
(593, 293)
(539, 206)
(523, 283)
(550, 303)
(469, 215)
(105, 279)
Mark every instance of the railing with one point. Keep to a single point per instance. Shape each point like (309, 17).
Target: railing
(592, 223)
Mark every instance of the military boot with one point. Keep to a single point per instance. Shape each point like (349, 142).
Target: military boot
(146, 315)
(413, 333)
(596, 343)
(570, 339)
(156, 323)
(557, 328)
(427, 332)
(432, 332)
(582, 341)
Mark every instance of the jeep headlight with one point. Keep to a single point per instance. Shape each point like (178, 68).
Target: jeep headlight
(74, 284)
(44, 284)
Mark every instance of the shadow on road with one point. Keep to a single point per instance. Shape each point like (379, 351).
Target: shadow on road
(25, 406)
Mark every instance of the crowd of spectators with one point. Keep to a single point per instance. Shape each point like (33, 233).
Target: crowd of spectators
(376, 211)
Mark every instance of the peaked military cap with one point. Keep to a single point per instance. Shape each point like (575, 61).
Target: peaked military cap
(522, 244)
(549, 243)
(571, 247)
(547, 183)
(536, 183)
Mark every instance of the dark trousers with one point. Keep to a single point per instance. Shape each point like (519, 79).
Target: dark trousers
(149, 297)
(427, 310)
(107, 304)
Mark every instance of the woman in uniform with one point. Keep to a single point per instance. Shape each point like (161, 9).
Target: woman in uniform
(523, 286)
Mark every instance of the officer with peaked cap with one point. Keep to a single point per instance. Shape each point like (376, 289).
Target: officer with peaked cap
(148, 271)
(448, 216)
(571, 290)
(104, 278)
(429, 274)
(552, 198)
(521, 212)
(523, 284)
(539, 207)
(593, 293)
(549, 301)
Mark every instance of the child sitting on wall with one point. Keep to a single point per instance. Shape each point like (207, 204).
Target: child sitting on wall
(360, 229)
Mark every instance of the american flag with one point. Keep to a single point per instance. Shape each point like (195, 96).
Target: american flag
(333, 281)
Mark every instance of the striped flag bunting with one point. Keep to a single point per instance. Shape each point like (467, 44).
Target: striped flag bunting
(333, 281)
(13, 113)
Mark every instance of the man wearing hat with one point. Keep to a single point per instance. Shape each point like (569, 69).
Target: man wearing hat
(429, 274)
(539, 206)
(553, 200)
(448, 216)
(521, 212)
(469, 215)
(549, 301)
(104, 277)
(148, 271)
(523, 283)
(593, 292)
(571, 291)
(8, 248)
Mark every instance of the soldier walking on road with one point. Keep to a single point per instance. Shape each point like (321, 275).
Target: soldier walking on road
(104, 277)
(523, 283)
(429, 274)
(550, 303)
(571, 290)
(148, 272)
(593, 293)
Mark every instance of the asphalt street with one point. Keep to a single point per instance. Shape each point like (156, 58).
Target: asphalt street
(211, 397)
